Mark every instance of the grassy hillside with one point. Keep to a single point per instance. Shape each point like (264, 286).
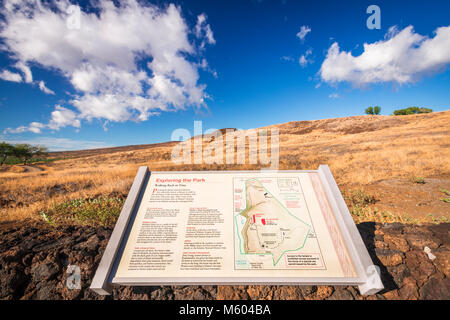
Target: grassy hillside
(379, 163)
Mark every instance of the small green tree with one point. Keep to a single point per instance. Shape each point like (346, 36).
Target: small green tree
(28, 152)
(38, 151)
(425, 110)
(23, 151)
(373, 110)
(6, 150)
(377, 110)
(369, 110)
(411, 110)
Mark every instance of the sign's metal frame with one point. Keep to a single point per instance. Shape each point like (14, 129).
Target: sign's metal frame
(368, 280)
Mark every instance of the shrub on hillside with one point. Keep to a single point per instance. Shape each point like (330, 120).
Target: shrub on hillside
(411, 110)
(103, 211)
(20, 153)
(373, 110)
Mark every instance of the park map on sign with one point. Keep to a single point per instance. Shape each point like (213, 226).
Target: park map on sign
(265, 226)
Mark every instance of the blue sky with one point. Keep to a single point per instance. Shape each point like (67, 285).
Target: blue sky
(227, 63)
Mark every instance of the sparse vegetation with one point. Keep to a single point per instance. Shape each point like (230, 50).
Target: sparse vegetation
(359, 203)
(438, 219)
(447, 193)
(98, 211)
(411, 110)
(373, 110)
(14, 160)
(418, 180)
(360, 198)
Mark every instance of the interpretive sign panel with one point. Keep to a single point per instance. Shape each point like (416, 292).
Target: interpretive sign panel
(237, 227)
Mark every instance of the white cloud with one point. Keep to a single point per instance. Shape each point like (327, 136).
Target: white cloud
(16, 130)
(392, 32)
(303, 60)
(28, 77)
(60, 117)
(403, 57)
(106, 106)
(25, 70)
(304, 30)
(102, 59)
(287, 58)
(202, 29)
(44, 88)
(10, 76)
(205, 66)
(34, 127)
(63, 117)
(333, 96)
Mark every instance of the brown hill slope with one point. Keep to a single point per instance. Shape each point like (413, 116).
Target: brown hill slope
(99, 151)
(370, 156)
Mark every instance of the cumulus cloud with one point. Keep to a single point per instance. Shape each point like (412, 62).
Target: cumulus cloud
(304, 30)
(126, 61)
(34, 127)
(44, 89)
(402, 57)
(60, 117)
(63, 117)
(10, 76)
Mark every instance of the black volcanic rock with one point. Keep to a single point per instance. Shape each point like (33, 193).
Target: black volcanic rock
(34, 258)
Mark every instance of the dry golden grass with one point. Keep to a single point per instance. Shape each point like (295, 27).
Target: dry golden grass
(359, 150)
(397, 147)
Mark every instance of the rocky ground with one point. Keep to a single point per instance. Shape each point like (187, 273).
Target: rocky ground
(34, 258)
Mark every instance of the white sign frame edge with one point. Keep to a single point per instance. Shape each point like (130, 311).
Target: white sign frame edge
(370, 278)
(101, 283)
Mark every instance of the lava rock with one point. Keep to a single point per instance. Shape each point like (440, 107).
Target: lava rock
(44, 271)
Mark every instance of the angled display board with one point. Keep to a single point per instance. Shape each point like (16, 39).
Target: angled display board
(235, 227)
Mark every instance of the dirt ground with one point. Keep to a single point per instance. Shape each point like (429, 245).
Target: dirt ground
(404, 197)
